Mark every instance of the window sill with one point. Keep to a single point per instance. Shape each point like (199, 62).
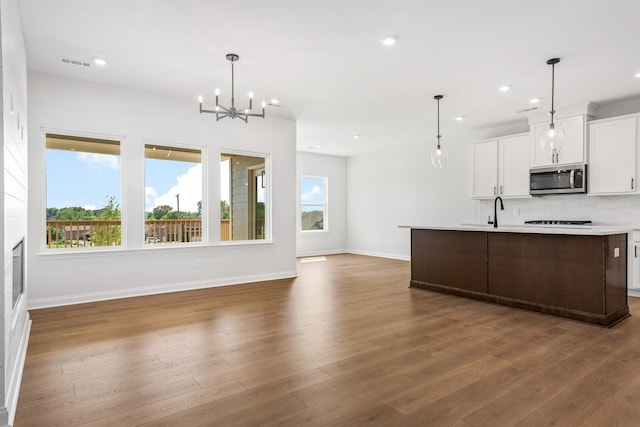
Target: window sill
(97, 252)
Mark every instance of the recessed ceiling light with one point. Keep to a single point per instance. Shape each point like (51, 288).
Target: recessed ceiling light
(315, 147)
(389, 40)
(274, 101)
(460, 118)
(356, 136)
(504, 88)
(534, 100)
(638, 75)
(100, 61)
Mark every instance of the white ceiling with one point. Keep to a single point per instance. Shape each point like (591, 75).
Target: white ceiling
(324, 61)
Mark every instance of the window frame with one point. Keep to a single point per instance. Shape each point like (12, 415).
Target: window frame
(204, 217)
(324, 205)
(268, 238)
(123, 189)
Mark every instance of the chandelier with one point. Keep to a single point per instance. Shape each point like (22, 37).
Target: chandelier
(233, 112)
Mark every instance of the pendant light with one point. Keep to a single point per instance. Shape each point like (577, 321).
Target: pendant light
(552, 138)
(439, 154)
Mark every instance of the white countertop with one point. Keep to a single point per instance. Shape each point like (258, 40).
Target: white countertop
(579, 230)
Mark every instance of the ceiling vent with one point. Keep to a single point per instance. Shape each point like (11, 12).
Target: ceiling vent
(526, 110)
(76, 62)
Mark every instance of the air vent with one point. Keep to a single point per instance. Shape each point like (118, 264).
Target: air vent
(76, 62)
(526, 110)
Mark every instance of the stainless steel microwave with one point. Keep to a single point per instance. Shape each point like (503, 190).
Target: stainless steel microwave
(558, 180)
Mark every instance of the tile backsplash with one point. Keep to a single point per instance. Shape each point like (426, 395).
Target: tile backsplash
(621, 211)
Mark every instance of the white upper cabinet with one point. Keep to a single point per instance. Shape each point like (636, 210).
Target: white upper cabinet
(613, 151)
(573, 149)
(513, 161)
(501, 167)
(485, 169)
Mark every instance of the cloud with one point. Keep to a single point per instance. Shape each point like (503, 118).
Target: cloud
(308, 196)
(100, 160)
(89, 207)
(189, 186)
(150, 194)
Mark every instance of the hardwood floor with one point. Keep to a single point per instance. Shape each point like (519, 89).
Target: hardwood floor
(346, 343)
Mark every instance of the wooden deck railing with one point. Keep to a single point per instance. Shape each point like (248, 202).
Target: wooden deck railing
(86, 233)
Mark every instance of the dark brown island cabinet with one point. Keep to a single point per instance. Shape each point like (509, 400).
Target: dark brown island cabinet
(581, 276)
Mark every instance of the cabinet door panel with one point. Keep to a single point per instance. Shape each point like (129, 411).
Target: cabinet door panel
(573, 148)
(553, 270)
(485, 169)
(514, 166)
(538, 157)
(457, 259)
(612, 154)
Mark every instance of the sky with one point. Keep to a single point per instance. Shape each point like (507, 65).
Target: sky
(312, 191)
(87, 179)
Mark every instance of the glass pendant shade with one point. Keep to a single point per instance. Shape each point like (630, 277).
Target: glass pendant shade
(552, 139)
(439, 157)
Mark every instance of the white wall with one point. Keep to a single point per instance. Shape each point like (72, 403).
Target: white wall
(335, 239)
(14, 322)
(401, 187)
(136, 117)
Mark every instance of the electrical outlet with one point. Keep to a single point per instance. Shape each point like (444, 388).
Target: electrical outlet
(616, 252)
(197, 264)
(516, 211)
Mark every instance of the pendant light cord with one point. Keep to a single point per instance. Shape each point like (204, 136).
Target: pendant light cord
(233, 85)
(438, 135)
(553, 90)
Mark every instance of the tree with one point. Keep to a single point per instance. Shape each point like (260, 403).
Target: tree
(110, 211)
(52, 213)
(73, 213)
(171, 215)
(224, 210)
(199, 209)
(160, 212)
(107, 234)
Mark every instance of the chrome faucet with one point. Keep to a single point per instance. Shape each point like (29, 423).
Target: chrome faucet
(495, 210)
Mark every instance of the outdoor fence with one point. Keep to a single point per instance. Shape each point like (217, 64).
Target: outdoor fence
(87, 233)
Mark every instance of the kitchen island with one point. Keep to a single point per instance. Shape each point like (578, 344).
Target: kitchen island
(574, 272)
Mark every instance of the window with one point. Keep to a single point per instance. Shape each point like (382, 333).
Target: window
(173, 195)
(313, 204)
(83, 192)
(244, 199)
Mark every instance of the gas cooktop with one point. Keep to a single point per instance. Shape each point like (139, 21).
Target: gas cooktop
(559, 222)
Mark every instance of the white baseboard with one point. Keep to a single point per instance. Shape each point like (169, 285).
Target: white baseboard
(320, 253)
(633, 293)
(153, 290)
(15, 380)
(380, 254)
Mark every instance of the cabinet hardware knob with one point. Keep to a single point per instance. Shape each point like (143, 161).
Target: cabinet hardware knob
(632, 183)
(495, 191)
(501, 190)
